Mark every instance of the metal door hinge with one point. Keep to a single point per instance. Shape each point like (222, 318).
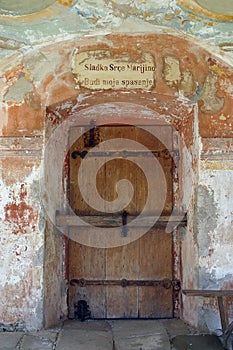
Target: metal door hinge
(92, 136)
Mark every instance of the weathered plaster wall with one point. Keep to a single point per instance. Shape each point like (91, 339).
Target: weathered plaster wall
(214, 222)
(21, 227)
(106, 16)
(186, 75)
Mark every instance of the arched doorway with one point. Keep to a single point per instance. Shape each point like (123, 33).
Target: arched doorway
(130, 277)
(139, 279)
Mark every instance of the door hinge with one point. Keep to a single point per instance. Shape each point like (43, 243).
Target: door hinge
(165, 283)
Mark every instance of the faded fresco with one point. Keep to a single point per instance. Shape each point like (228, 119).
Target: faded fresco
(166, 61)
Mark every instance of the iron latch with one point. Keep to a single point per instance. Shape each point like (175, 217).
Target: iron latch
(124, 231)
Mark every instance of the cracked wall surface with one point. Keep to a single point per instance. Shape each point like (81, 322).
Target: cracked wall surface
(38, 92)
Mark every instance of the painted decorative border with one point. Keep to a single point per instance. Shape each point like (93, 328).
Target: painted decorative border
(194, 7)
(47, 12)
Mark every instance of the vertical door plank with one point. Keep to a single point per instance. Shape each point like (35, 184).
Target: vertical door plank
(88, 263)
(122, 263)
(155, 263)
(147, 137)
(117, 170)
(84, 262)
(120, 168)
(76, 199)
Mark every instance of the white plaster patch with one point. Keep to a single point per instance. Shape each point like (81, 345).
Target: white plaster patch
(21, 270)
(172, 71)
(219, 261)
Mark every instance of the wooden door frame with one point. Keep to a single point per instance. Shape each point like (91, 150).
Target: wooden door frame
(176, 294)
(76, 156)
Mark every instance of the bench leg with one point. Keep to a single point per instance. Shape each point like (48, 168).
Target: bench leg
(229, 330)
(223, 314)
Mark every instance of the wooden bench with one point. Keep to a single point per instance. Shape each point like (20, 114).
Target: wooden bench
(227, 328)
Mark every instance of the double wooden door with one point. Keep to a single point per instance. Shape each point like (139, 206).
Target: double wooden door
(132, 280)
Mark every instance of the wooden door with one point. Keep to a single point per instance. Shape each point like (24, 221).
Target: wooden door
(132, 280)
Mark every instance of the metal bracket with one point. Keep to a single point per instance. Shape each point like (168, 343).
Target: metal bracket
(92, 137)
(165, 283)
(124, 231)
(166, 154)
(82, 154)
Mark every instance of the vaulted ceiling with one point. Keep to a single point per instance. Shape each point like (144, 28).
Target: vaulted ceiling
(25, 22)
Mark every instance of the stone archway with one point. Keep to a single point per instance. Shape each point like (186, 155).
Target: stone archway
(109, 113)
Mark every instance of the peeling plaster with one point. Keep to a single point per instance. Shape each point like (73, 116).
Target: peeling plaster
(10, 44)
(205, 218)
(187, 84)
(216, 259)
(207, 246)
(182, 80)
(211, 102)
(85, 16)
(32, 100)
(17, 91)
(172, 72)
(21, 270)
(40, 63)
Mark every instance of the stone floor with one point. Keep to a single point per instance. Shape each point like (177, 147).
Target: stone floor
(112, 335)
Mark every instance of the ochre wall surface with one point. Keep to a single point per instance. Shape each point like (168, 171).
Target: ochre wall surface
(193, 92)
